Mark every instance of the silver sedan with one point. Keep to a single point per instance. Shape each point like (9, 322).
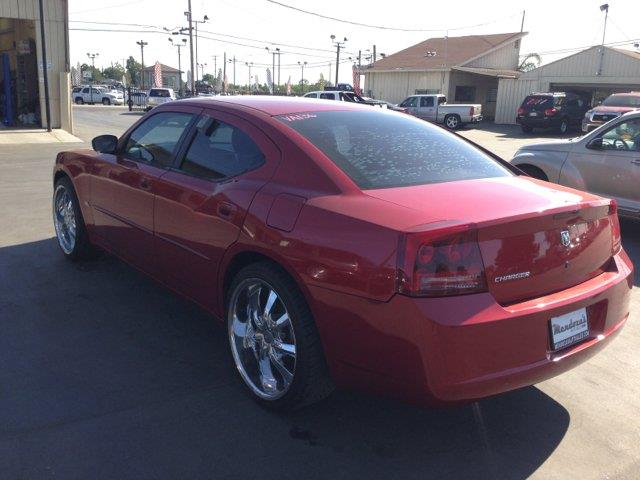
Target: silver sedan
(605, 161)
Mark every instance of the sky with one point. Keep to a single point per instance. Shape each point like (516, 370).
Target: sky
(242, 29)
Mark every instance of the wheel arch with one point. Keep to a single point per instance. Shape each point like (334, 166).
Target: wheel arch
(528, 168)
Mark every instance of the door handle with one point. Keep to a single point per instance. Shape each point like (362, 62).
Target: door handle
(145, 183)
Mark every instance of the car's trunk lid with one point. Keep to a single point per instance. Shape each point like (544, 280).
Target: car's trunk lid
(535, 239)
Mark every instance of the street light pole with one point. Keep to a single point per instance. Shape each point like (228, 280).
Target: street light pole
(249, 64)
(603, 8)
(179, 46)
(302, 64)
(92, 56)
(273, 69)
(142, 44)
(204, 20)
(338, 45)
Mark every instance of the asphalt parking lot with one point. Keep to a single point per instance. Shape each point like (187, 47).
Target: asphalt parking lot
(104, 374)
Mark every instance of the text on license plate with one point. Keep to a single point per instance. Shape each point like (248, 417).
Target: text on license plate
(569, 328)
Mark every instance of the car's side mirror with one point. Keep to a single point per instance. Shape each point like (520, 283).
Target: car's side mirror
(595, 144)
(105, 144)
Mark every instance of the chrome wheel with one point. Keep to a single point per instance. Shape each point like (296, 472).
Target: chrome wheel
(64, 218)
(452, 122)
(262, 339)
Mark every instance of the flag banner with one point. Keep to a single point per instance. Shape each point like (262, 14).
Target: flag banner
(269, 80)
(356, 80)
(289, 86)
(157, 75)
(78, 75)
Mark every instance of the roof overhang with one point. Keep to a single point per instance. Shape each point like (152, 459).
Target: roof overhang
(489, 72)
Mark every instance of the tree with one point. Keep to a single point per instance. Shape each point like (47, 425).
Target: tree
(133, 71)
(95, 75)
(115, 72)
(529, 62)
(209, 78)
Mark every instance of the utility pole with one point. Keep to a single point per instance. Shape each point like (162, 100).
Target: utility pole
(249, 64)
(338, 45)
(524, 12)
(92, 56)
(234, 70)
(142, 44)
(278, 53)
(179, 46)
(45, 73)
(603, 8)
(359, 59)
(224, 72)
(273, 68)
(374, 54)
(302, 64)
(193, 73)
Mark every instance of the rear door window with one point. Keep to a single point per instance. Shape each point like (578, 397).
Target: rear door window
(220, 150)
(328, 96)
(381, 149)
(426, 101)
(538, 103)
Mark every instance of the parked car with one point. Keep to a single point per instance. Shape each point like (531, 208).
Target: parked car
(612, 107)
(343, 96)
(435, 108)
(93, 95)
(558, 110)
(605, 162)
(158, 96)
(352, 246)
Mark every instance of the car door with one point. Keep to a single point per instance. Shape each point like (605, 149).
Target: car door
(411, 104)
(124, 184)
(608, 164)
(202, 201)
(427, 109)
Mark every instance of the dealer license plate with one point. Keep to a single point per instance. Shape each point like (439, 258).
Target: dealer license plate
(569, 328)
(533, 114)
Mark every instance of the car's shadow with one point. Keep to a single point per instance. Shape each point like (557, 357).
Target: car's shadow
(107, 375)
(515, 132)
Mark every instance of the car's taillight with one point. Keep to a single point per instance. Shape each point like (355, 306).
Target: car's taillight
(521, 111)
(615, 227)
(442, 263)
(550, 112)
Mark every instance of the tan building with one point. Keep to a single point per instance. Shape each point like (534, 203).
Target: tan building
(594, 73)
(465, 69)
(22, 70)
(170, 76)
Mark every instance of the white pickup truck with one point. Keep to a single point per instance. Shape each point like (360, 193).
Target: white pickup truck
(435, 108)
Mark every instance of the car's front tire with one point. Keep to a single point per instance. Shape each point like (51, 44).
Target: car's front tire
(564, 126)
(273, 339)
(106, 101)
(71, 231)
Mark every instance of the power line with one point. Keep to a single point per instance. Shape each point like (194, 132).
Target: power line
(382, 27)
(576, 49)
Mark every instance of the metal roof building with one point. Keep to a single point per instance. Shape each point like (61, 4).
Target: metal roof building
(465, 69)
(22, 65)
(595, 73)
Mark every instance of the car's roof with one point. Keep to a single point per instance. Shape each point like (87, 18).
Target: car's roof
(626, 94)
(275, 105)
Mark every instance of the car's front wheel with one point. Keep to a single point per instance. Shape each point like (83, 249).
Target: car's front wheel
(106, 101)
(69, 225)
(564, 126)
(273, 339)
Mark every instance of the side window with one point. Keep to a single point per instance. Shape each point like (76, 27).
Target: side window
(410, 102)
(85, 90)
(311, 95)
(426, 101)
(327, 96)
(624, 136)
(220, 150)
(156, 139)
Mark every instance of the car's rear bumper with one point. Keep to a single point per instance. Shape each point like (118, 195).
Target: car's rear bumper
(443, 350)
(538, 122)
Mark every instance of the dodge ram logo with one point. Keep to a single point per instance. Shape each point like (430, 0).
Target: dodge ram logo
(565, 238)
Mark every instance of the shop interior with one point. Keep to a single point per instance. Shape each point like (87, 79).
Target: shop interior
(19, 104)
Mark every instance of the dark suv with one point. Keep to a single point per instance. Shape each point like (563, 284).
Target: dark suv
(557, 110)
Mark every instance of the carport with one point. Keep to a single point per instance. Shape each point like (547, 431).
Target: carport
(594, 73)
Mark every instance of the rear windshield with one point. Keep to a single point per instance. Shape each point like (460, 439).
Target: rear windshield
(159, 93)
(622, 101)
(381, 149)
(538, 102)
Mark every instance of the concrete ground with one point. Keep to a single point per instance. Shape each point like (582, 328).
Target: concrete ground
(104, 374)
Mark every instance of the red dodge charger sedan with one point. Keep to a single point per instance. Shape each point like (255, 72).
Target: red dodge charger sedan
(350, 246)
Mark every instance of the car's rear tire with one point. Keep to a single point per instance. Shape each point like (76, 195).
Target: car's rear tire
(534, 172)
(79, 101)
(71, 232)
(526, 128)
(452, 121)
(564, 126)
(273, 340)
(106, 101)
